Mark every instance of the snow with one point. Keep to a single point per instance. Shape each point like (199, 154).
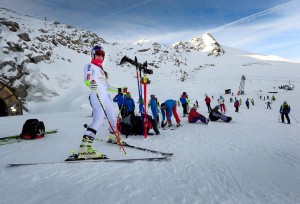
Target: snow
(253, 159)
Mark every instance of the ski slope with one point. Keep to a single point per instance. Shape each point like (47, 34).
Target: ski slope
(253, 159)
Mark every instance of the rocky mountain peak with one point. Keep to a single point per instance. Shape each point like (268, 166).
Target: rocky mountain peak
(207, 43)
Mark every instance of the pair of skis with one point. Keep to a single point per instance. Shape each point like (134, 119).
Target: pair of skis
(73, 159)
(17, 138)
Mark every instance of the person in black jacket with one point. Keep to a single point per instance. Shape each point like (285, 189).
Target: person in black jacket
(216, 115)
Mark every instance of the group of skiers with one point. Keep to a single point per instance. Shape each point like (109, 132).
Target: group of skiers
(95, 78)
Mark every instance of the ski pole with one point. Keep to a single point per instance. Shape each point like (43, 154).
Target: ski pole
(294, 118)
(116, 135)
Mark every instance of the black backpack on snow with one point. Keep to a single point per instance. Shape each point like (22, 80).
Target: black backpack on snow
(133, 125)
(33, 129)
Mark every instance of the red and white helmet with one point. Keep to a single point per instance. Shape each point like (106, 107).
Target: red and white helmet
(97, 50)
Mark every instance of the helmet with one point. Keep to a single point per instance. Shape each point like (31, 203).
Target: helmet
(97, 50)
(128, 94)
(217, 107)
(195, 106)
(284, 102)
(163, 105)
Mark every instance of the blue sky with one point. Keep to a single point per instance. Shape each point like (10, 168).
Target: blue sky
(265, 27)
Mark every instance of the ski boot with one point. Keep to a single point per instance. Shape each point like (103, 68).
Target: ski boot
(86, 151)
(178, 124)
(207, 121)
(113, 139)
(229, 119)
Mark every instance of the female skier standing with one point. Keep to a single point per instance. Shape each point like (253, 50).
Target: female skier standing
(96, 79)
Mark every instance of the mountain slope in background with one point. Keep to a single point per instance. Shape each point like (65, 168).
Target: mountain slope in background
(253, 159)
(43, 60)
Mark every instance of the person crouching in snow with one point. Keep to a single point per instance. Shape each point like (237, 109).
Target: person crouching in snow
(216, 115)
(168, 108)
(194, 116)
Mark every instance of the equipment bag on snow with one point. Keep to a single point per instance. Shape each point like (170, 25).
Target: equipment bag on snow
(133, 125)
(33, 129)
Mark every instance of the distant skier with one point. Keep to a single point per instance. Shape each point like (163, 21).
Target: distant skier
(222, 104)
(252, 101)
(247, 103)
(236, 104)
(194, 116)
(216, 115)
(96, 79)
(284, 111)
(168, 108)
(184, 103)
(269, 105)
(207, 101)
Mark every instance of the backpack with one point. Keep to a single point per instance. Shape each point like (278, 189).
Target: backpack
(33, 129)
(133, 125)
(285, 107)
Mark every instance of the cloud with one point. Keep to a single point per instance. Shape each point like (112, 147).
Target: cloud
(273, 31)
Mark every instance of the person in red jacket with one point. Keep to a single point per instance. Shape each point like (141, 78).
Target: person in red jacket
(194, 116)
(207, 101)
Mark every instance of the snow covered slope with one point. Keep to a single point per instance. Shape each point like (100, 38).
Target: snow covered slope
(253, 159)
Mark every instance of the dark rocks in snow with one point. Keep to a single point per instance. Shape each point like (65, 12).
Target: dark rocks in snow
(41, 39)
(24, 36)
(54, 42)
(39, 58)
(43, 31)
(12, 26)
(14, 47)
(144, 50)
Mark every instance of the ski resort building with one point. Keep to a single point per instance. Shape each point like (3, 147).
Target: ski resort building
(9, 102)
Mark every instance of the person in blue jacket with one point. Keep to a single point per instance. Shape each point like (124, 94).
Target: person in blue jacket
(184, 103)
(168, 108)
(153, 104)
(284, 111)
(129, 104)
(119, 99)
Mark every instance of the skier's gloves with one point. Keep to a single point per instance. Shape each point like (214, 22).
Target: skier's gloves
(93, 85)
(87, 83)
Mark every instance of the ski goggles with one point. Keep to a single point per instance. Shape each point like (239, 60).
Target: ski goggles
(100, 53)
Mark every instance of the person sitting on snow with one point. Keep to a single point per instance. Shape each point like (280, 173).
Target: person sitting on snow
(194, 116)
(216, 115)
(168, 108)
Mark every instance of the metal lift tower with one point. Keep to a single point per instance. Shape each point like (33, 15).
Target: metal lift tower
(242, 85)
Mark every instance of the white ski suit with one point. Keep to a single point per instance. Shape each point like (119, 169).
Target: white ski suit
(95, 73)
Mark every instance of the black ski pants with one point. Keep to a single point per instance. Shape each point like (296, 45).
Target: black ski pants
(287, 117)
